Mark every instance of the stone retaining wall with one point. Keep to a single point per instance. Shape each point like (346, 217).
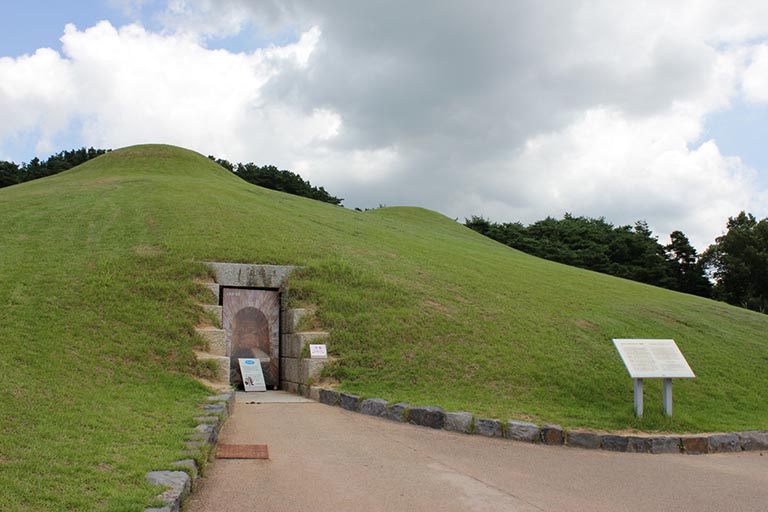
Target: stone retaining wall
(299, 372)
(523, 431)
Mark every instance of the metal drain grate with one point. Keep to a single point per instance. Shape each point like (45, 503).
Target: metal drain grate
(242, 451)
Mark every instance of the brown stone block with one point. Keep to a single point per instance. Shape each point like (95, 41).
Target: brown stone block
(552, 434)
(696, 445)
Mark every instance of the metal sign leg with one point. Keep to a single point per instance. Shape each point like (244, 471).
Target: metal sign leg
(668, 397)
(639, 397)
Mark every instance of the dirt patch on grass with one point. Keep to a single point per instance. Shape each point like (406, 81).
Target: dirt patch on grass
(439, 307)
(586, 324)
(148, 250)
(215, 386)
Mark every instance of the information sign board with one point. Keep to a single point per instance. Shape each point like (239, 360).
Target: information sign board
(646, 359)
(318, 352)
(253, 377)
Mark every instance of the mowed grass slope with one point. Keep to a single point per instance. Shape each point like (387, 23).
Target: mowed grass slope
(97, 315)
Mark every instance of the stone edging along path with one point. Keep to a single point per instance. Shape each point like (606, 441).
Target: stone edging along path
(464, 422)
(200, 445)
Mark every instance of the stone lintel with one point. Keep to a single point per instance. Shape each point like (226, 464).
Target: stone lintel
(251, 276)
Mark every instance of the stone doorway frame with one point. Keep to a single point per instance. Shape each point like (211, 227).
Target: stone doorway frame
(255, 277)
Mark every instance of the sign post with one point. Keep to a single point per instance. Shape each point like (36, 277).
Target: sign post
(639, 397)
(668, 396)
(649, 359)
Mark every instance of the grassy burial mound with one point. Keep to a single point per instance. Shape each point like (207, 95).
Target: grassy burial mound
(97, 269)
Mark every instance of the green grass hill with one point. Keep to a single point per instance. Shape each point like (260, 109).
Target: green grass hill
(97, 317)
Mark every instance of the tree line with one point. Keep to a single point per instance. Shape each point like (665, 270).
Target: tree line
(12, 173)
(733, 269)
(738, 261)
(630, 252)
(269, 176)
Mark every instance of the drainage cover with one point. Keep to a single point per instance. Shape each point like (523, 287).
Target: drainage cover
(242, 451)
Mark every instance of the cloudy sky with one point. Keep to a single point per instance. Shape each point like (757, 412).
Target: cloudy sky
(510, 109)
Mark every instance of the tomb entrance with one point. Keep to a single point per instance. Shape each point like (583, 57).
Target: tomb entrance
(251, 321)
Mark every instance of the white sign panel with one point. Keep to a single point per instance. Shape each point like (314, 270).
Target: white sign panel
(253, 377)
(318, 352)
(647, 359)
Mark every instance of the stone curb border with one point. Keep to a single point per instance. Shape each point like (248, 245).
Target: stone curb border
(467, 423)
(199, 443)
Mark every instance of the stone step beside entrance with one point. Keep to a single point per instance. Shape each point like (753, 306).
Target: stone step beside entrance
(300, 371)
(291, 318)
(215, 290)
(216, 339)
(220, 364)
(217, 311)
(294, 343)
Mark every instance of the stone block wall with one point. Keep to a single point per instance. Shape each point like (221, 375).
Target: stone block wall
(214, 336)
(298, 371)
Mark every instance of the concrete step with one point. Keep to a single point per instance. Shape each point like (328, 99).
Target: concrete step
(221, 365)
(215, 291)
(299, 371)
(294, 343)
(216, 338)
(292, 318)
(218, 311)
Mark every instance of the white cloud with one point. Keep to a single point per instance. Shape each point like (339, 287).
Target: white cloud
(345, 171)
(204, 19)
(37, 93)
(128, 85)
(628, 170)
(756, 76)
(513, 110)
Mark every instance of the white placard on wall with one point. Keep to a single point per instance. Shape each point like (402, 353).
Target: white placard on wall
(318, 352)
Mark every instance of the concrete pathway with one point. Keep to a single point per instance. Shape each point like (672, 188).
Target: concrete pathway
(269, 397)
(325, 459)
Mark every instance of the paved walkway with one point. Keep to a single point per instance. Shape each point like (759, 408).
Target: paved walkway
(325, 459)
